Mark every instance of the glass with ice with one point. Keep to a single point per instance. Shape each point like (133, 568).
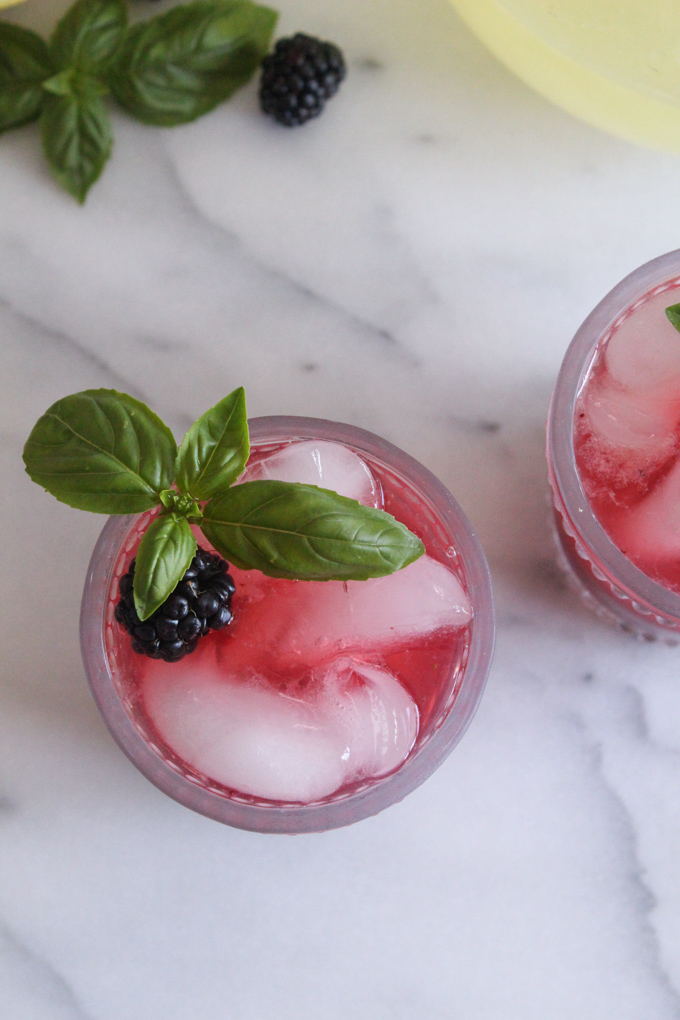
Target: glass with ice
(614, 454)
(323, 702)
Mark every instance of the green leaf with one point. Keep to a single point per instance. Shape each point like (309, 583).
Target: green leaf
(673, 314)
(89, 35)
(181, 64)
(165, 552)
(215, 450)
(102, 451)
(301, 531)
(24, 66)
(76, 132)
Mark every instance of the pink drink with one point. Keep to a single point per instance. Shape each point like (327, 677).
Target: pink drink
(326, 650)
(614, 453)
(627, 436)
(319, 693)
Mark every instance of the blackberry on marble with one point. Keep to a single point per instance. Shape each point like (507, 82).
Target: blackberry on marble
(201, 602)
(298, 77)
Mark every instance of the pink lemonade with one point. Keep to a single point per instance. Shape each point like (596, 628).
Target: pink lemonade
(316, 690)
(627, 435)
(614, 454)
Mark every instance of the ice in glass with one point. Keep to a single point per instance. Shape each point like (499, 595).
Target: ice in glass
(323, 701)
(614, 453)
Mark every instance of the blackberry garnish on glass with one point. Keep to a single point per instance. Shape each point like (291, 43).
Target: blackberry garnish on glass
(201, 602)
(107, 452)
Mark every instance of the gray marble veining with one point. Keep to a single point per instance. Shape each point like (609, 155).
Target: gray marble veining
(414, 262)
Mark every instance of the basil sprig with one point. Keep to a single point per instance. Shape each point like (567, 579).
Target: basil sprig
(104, 451)
(167, 70)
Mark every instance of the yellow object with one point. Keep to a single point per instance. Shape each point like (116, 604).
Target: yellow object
(9, 3)
(615, 63)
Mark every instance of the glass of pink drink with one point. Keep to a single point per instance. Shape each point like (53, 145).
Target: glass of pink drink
(614, 454)
(323, 702)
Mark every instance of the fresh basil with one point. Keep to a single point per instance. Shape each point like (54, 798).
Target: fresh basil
(24, 65)
(102, 451)
(76, 132)
(165, 552)
(181, 64)
(105, 451)
(301, 531)
(167, 70)
(215, 450)
(673, 314)
(89, 35)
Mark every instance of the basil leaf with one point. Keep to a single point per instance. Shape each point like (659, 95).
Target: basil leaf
(301, 531)
(102, 451)
(76, 132)
(181, 64)
(24, 66)
(165, 552)
(89, 34)
(673, 314)
(214, 451)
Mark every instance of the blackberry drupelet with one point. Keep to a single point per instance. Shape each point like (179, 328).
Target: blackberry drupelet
(298, 77)
(200, 602)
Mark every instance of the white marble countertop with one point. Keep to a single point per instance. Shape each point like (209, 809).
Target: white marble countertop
(414, 262)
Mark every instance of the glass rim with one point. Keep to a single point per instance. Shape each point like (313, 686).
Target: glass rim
(617, 568)
(377, 794)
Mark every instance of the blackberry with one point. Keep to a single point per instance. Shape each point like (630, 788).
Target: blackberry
(298, 77)
(201, 602)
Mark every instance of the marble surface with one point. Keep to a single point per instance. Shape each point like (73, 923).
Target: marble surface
(415, 262)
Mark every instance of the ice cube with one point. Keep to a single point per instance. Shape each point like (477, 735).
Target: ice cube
(630, 421)
(376, 714)
(650, 532)
(383, 611)
(354, 721)
(306, 622)
(644, 352)
(329, 465)
(247, 737)
(629, 435)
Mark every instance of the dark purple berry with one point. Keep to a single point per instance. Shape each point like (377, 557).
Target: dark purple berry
(189, 628)
(146, 633)
(166, 628)
(175, 607)
(188, 588)
(298, 78)
(223, 585)
(131, 616)
(207, 604)
(221, 618)
(172, 651)
(199, 562)
(201, 601)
